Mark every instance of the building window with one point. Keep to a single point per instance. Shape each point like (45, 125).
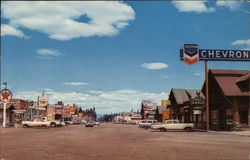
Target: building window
(214, 117)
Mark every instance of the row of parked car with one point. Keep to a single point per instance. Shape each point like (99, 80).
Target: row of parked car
(70, 121)
(125, 122)
(171, 124)
(45, 123)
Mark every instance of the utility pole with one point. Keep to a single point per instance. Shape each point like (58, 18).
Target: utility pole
(6, 96)
(4, 107)
(207, 96)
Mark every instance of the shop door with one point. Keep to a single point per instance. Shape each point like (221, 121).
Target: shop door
(222, 119)
(243, 116)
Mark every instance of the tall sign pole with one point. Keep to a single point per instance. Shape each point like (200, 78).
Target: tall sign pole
(5, 97)
(207, 99)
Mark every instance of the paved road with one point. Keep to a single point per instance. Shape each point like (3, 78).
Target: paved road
(119, 142)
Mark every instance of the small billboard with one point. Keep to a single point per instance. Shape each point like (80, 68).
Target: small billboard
(149, 105)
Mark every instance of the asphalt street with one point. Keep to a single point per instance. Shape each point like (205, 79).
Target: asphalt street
(119, 142)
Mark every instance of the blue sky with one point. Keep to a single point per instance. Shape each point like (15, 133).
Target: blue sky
(114, 54)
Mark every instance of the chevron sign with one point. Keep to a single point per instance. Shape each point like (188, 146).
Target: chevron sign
(191, 54)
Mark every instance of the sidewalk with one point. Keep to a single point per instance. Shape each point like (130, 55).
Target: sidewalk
(243, 132)
(240, 133)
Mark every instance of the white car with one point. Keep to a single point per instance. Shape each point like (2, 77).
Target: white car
(147, 123)
(97, 123)
(44, 122)
(89, 124)
(173, 124)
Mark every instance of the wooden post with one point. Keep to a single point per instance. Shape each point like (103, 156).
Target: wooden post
(4, 114)
(207, 99)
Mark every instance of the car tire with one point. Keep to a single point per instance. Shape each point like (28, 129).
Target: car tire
(43, 126)
(163, 130)
(25, 126)
(52, 125)
(188, 129)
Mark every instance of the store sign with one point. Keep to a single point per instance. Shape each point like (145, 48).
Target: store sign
(197, 111)
(43, 101)
(5, 95)
(165, 102)
(149, 105)
(166, 114)
(192, 54)
(198, 100)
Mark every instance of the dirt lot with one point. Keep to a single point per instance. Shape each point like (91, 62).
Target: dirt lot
(119, 142)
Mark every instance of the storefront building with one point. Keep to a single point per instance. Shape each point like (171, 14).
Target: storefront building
(10, 115)
(229, 96)
(188, 105)
(162, 113)
(15, 111)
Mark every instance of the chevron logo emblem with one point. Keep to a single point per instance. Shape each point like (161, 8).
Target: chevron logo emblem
(191, 53)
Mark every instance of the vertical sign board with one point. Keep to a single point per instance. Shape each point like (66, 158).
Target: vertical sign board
(43, 101)
(191, 53)
(5, 97)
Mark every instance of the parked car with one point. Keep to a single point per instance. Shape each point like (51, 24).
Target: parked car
(83, 121)
(89, 124)
(131, 122)
(76, 121)
(68, 121)
(61, 124)
(147, 123)
(43, 122)
(173, 124)
(97, 123)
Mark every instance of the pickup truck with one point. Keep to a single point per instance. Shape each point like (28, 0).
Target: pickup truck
(173, 124)
(42, 123)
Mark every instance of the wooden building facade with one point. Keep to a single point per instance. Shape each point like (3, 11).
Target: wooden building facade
(188, 105)
(229, 98)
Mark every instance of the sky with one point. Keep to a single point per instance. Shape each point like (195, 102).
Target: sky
(112, 55)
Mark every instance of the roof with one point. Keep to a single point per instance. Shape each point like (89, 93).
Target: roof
(227, 72)
(228, 79)
(244, 78)
(183, 95)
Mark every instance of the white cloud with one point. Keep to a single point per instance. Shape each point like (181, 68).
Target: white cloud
(75, 83)
(11, 31)
(48, 52)
(197, 74)
(104, 101)
(241, 42)
(192, 6)
(230, 4)
(154, 66)
(63, 20)
(244, 43)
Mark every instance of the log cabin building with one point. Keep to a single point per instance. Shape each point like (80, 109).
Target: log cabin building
(188, 105)
(229, 98)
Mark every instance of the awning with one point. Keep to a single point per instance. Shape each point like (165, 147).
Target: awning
(19, 111)
(185, 107)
